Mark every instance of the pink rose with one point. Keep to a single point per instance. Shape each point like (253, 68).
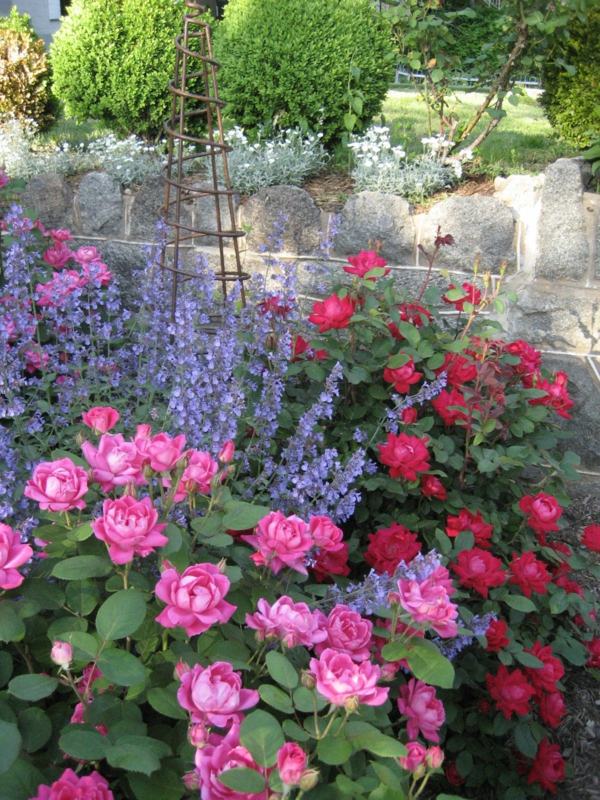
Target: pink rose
(345, 683)
(347, 632)
(164, 452)
(424, 711)
(214, 694)
(291, 763)
(97, 272)
(428, 603)
(35, 359)
(114, 463)
(58, 255)
(129, 528)
(60, 235)
(13, 554)
(101, 418)
(414, 758)
(61, 653)
(73, 787)
(197, 475)
(195, 599)
(85, 255)
(214, 759)
(292, 623)
(57, 485)
(281, 542)
(325, 534)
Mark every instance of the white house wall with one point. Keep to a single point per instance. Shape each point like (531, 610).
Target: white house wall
(44, 15)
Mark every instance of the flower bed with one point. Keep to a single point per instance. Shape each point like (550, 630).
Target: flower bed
(295, 555)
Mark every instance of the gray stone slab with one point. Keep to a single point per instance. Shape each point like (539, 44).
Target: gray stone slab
(556, 317)
(480, 226)
(51, 197)
(262, 211)
(147, 207)
(205, 215)
(585, 423)
(100, 203)
(563, 248)
(376, 217)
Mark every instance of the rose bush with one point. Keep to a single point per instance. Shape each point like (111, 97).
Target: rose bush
(306, 576)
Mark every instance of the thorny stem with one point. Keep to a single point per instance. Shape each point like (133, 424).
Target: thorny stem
(330, 723)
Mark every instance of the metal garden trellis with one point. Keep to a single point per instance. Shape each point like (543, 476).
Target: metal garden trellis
(195, 101)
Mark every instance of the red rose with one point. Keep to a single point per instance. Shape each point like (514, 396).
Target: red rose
(389, 546)
(365, 261)
(409, 415)
(543, 510)
(510, 690)
(531, 358)
(529, 574)
(458, 369)
(406, 455)
(276, 306)
(467, 521)
(477, 569)
(496, 636)
(335, 312)
(445, 405)
(544, 679)
(472, 295)
(591, 537)
(433, 487)
(331, 562)
(302, 347)
(552, 709)
(410, 312)
(402, 377)
(593, 649)
(453, 776)
(548, 767)
(570, 587)
(557, 396)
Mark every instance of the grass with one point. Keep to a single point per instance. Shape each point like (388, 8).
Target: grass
(522, 143)
(73, 133)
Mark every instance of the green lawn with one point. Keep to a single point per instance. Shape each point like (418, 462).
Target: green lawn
(523, 142)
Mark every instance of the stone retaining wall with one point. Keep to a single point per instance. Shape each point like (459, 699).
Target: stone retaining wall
(544, 231)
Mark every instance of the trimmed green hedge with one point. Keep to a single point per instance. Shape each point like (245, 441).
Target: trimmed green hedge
(289, 61)
(113, 60)
(571, 101)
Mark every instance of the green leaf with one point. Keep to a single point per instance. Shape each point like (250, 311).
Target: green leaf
(35, 728)
(48, 596)
(394, 651)
(241, 516)
(524, 740)
(167, 785)
(281, 670)
(379, 744)
(519, 603)
(430, 666)
(10, 745)
(464, 763)
(410, 333)
(173, 533)
(165, 702)
(85, 646)
(334, 751)
(80, 533)
(436, 75)
(83, 741)
(243, 779)
(528, 660)
(32, 687)
(80, 567)
(121, 615)
(293, 731)
(82, 596)
(261, 735)
(11, 627)
(21, 781)
(64, 625)
(276, 698)
(134, 758)
(304, 700)
(121, 667)
(6, 667)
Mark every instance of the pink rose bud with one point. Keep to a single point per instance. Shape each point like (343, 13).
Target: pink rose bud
(191, 781)
(351, 704)
(180, 669)
(227, 452)
(198, 735)
(434, 757)
(101, 418)
(308, 680)
(143, 432)
(61, 654)
(291, 763)
(393, 598)
(388, 671)
(309, 779)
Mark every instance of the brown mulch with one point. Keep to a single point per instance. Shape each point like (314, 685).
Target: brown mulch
(330, 192)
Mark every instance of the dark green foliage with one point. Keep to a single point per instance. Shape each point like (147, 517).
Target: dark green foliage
(24, 71)
(113, 61)
(570, 100)
(290, 61)
(473, 36)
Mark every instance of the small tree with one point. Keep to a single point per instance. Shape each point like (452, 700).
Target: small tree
(527, 34)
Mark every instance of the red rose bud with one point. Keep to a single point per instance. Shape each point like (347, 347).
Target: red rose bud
(409, 416)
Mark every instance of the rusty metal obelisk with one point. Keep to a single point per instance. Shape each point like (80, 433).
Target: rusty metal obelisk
(196, 104)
